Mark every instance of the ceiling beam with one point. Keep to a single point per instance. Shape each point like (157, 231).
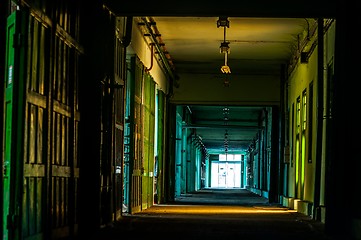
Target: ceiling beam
(251, 128)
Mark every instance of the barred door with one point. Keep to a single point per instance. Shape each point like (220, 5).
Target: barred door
(136, 164)
(120, 70)
(148, 119)
(51, 169)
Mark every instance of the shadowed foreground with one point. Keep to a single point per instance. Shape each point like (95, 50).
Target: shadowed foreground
(217, 214)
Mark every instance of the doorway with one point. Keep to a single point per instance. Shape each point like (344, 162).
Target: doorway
(226, 173)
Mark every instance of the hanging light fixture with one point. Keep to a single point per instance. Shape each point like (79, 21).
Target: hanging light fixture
(226, 118)
(224, 48)
(222, 22)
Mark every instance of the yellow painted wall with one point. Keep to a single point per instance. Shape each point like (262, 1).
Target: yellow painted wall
(299, 80)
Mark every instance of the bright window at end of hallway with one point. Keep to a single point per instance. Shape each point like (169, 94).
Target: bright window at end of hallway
(230, 157)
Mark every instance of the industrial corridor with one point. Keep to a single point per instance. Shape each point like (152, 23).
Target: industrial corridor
(179, 119)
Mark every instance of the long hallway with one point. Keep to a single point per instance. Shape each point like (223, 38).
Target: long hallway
(217, 214)
(119, 117)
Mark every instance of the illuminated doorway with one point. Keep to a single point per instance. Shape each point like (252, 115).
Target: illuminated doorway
(226, 173)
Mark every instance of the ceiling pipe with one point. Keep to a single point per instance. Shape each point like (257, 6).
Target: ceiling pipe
(156, 45)
(151, 58)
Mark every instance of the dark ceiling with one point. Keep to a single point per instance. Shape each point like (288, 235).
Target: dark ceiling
(258, 46)
(260, 40)
(223, 129)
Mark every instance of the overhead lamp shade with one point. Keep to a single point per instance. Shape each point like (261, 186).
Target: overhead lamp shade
(223, 22)
(224, 48)
(225, 69)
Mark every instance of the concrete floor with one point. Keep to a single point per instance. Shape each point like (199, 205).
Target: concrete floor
(217, 214)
